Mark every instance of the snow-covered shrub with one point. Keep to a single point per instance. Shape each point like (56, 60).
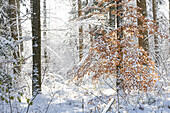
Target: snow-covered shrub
(9, 89)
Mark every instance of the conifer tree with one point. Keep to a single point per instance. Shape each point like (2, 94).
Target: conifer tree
(36, 46)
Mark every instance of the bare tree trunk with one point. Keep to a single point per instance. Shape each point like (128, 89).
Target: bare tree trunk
(36, 46)
(1, 20)
(13, 21)
(80, 32)
(143, 42)
(45, 28)
(119, 81)
(13, 26)
(111, 16)
(169, 27)
(19, 25)
(91, 37)
(154, 9)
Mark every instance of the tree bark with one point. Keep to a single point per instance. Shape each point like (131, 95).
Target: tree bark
(119, 81)
(169, 27)
(154, 9)
(13, 26)
(36, 46)
(45, 28)
(111, 16)
(19, 25)
(80, 32)
(143, 42)
(13, 21)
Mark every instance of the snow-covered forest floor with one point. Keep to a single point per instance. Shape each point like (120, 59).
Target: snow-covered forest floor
(62, 96)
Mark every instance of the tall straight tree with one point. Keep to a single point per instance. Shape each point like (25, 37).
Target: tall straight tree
(45, 28)
(13, 21)
(13, 26)
(154, 10)
(36, 46)
(143, 42)
(19, 24)
(119, 81)
(169, 26)
(111, 16)
(80, 32)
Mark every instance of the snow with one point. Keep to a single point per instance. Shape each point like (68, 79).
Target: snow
(64, 100)
(59, 93)
(108, 106)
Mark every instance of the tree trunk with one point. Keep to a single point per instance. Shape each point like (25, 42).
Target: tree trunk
(119, 81)
(19, 25)
(13, 21)
(169, 27)
(143, 42)
(111, 16)
(36, 46)
(80, 33)
(154, 9)
(13, 26)
(45, 28)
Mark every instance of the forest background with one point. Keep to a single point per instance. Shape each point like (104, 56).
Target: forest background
(84, 56)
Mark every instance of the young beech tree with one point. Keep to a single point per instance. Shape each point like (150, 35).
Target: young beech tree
(116, 54)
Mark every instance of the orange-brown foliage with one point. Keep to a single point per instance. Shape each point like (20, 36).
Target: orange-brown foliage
(137, 68)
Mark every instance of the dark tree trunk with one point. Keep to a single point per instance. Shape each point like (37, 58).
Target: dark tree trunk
(19, 25)
(80, 32)
(45, 28)
(36, 46)
(111, 16)
(119, 81)
(13, 26)
(143, 42)
(169, 26)
(13, 21)
(154, 9)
